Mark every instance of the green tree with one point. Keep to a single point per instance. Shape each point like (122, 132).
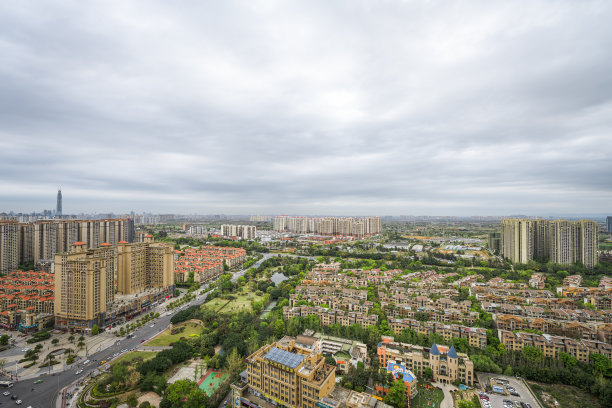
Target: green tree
(568, 360)
(4, 339)
(601, 364)
(176, 392)
(95, 330)
(132, 400)
(533, 353)
(330, 360)
(235, 363)
(55, 341)
(428, 374)
(397, 395)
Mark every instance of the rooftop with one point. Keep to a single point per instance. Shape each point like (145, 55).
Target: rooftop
(283, 357)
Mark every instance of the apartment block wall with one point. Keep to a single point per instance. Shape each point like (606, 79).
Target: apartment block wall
(9, 253)
(84, 285)
(144, 265)
(563, 242)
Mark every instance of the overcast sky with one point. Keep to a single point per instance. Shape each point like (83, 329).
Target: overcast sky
(303, 107)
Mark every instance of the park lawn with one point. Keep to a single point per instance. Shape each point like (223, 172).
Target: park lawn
(424, 396)
(127, 357)
(166, 338)
(566, 395)
(242, 302)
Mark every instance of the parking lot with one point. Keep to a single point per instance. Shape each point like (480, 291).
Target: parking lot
(497, 400)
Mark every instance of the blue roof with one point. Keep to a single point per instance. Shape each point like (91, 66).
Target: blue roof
(434, 350)
(452, 353)
(398, 369)
(291, 360)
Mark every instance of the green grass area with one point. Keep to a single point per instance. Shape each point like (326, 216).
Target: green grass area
(132, 355)
(166, 338)
(605, 245)
(211, 381)
(425, 395)
(241, 302)
(566, 395)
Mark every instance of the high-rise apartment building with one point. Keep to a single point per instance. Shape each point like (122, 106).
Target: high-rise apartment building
(561, 241)
(41, 240)
(285, 373)
(609, 224)
(239, 231)
(357, 227)
(144, 265)
(494, 241)
(517, 236)
(260, 218)
(84, 286)
(9, 248)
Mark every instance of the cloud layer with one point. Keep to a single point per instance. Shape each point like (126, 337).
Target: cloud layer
(346, 107)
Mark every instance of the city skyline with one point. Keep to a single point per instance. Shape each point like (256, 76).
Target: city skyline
(307, 108)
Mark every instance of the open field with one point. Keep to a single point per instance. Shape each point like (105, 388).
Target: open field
(145, 355)
(567, 396)
(426, 395)
(166, 338)
(242, 302)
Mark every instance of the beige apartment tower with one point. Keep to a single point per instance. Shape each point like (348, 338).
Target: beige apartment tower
(84, 286)
(9, 249)
(286, 374)
(144, 265)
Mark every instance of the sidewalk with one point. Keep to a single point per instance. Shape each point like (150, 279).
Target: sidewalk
(447, 402)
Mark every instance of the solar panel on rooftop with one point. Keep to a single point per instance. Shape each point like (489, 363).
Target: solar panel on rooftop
(283, 357)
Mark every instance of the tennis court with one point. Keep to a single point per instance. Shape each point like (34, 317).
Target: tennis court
(211, 381)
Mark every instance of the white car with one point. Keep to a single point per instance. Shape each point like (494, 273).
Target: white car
(152, 325)
(18, 402)
(79, 372)
(86, 362)
(6, 393)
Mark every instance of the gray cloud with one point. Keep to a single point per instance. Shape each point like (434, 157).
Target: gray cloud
(302, 107)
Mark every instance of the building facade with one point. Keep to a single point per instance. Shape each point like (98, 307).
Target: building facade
(358, 227)
(144, 265)
(561, 241)
(9, 248)
(239, 231)
(286, 374)
(84, 286)
(447, 365)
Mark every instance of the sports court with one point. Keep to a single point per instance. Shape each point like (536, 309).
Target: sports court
(211, 381)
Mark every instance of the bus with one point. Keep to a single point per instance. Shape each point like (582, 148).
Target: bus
(6, 384)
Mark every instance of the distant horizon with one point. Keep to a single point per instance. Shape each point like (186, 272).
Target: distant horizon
(307, 107)
(249, 214)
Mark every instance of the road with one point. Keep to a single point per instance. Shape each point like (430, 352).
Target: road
(41, 395)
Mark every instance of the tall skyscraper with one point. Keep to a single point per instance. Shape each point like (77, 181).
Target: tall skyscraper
(58, 210)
